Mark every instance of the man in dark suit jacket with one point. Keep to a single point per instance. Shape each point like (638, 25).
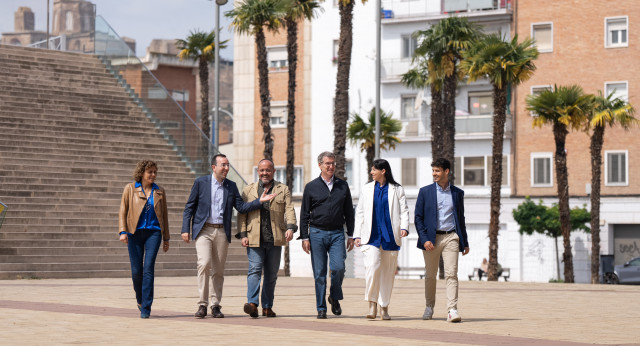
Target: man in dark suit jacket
(207, 214)
(439, 221)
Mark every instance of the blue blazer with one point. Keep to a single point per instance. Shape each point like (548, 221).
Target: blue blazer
(198, 207)
(426, 215)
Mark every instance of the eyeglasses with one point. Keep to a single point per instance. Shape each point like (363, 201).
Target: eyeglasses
(329, 164)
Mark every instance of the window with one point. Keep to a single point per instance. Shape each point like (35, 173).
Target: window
(481, 104)
(541, 169)
(408, 46)
(543, 34)
(409, 172)
(278, 116)
(69, 21)
(473, 171)
(616, 32)
(536, 90)
(408, 109)
(616, 168)
(505, 170)
(281, 176)
(277, 58)
(619, 90)
(348, 171)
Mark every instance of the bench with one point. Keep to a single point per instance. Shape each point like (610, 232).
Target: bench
(506, 272)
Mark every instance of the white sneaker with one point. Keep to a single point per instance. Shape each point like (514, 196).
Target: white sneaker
(428, 313)
(453, 316)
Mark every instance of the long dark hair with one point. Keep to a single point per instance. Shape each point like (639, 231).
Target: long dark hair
(381, 164)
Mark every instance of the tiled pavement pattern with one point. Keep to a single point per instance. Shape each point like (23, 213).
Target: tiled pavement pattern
(103, 311)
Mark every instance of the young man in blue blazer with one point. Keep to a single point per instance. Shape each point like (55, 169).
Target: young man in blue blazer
(439, 221)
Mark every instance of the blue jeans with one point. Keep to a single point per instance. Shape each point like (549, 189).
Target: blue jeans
(267, 258)
(143, 250)
(331, 242)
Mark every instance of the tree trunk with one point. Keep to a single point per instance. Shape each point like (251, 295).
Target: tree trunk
(499, 118)
(437, 126)
(449, 120)
(205, 126)
(370, 154)
(341, 102)
(562, 175)
(292, 55)
(265, 98)
(597, 138)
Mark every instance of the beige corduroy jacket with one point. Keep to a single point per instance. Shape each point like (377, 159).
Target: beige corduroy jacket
(132, 203)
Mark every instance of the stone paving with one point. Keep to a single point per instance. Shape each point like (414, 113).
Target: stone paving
(103, 311)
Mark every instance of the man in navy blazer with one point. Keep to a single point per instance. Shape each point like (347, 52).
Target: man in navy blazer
(439, 221)
(207, 214)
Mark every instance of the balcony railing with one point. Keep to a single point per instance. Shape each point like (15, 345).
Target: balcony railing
(466, 125)
(393, 69)
(398, 9)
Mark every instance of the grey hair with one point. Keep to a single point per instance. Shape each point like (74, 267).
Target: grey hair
(326, 154)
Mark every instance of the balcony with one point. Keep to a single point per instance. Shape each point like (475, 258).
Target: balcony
(404, 11)
(467, 126)
(393, 69)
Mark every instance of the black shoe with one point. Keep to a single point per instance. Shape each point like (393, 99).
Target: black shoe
(322, 315)
(251, 309)
(202, 312)
(216, 313)
(335, 306)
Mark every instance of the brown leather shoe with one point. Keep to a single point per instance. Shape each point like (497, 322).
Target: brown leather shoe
(251, 309)
(216, 313)
(202, 312)
(268, 312)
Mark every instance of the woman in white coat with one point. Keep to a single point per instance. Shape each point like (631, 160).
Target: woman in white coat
(382, 219)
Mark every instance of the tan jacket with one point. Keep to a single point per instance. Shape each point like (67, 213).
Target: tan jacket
(133, 200)
(281, 214)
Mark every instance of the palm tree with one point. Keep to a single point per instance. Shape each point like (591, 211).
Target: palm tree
(298, 10)
(341, 99)
(200, 46)
(503, 63)
(360, 130)
(254, 17)
(443, 44)
(608, 111)
(426, 73)
(564, 108)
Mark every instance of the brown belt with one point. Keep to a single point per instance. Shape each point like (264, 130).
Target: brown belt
(214, 225)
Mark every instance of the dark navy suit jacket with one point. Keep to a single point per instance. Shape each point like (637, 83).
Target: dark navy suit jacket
(198, 207)
(426, 215)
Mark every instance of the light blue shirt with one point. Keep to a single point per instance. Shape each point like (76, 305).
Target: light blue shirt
(445, 209)
(217, 205)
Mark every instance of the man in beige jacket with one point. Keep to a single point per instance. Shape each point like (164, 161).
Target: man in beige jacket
(263, 232)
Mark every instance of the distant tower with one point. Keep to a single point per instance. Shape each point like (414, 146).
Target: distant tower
(24, 20)
(73, 17)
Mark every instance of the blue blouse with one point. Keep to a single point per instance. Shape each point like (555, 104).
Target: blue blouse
(381, 230)
(148, 219)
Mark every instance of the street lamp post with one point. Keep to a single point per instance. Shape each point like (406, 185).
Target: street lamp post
(378, 38)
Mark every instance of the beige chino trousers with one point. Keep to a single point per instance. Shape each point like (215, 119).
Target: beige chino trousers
(380, 271)
(211, 249)
(448, 245)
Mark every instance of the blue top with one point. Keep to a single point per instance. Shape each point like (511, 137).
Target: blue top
(381, 230)
(445, 209)
(148, 219)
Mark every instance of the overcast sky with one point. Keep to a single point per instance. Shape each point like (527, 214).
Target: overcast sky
(142, 20)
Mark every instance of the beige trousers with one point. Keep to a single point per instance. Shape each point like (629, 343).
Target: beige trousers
(448, 245)
(211, 248)
(380, 271)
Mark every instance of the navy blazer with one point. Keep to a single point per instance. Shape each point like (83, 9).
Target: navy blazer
(426, 215)
(198, 207)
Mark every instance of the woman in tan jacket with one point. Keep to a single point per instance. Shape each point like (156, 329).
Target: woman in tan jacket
(143, 226)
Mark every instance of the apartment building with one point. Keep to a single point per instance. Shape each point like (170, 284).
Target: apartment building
(589, 43)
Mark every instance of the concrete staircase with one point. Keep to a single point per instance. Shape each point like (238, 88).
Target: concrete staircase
(70, 137)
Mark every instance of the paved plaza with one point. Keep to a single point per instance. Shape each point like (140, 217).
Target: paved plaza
(103, 311)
